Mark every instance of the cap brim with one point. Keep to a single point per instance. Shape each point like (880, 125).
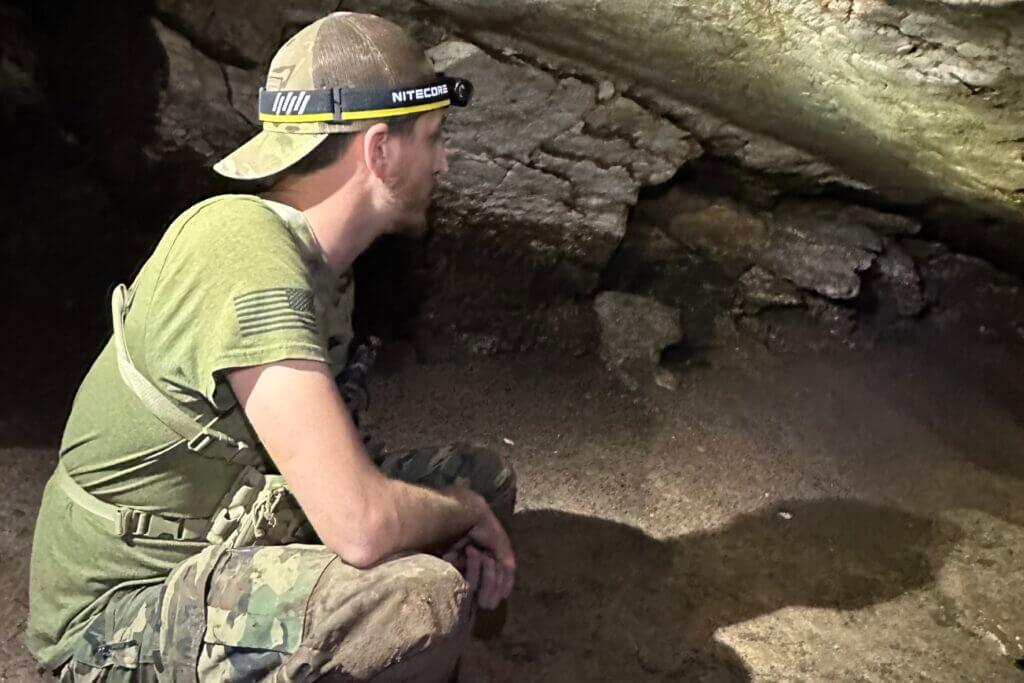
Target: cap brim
(267, 153)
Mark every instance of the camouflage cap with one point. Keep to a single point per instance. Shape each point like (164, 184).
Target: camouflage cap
(341, 50)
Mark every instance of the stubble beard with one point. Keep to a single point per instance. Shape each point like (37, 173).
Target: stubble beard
(412, 221)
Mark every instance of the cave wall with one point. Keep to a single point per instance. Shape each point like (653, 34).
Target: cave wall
(755, 166)
(919, 98)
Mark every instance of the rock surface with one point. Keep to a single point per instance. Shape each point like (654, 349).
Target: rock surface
(195, 112)
(634, 331)
(19, 65)
(245, 38)
(561, 138)
(969, 290)
(545, 157)
(789, 151)
(920, 100)
(831, 260)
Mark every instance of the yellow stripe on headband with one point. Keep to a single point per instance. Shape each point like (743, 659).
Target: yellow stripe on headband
(382, 113)
(296, 118)
(352, 115)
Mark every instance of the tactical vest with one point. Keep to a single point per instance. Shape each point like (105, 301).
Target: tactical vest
(257, 508)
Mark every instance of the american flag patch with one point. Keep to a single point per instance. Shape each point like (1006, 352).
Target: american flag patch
(282, 308)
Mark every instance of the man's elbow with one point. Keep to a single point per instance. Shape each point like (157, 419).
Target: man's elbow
(361, 555)
(369, 543)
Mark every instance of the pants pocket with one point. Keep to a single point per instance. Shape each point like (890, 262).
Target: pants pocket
(120, 643)
(258, 596)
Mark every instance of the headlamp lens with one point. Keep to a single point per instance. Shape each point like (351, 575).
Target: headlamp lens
(459, 90)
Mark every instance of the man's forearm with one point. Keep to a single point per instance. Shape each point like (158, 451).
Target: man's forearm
(423, 518)
(357, 511)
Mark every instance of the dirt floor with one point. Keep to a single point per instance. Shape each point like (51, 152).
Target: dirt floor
(852, 516)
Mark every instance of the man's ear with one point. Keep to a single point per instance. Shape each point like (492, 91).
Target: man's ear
(376, 151)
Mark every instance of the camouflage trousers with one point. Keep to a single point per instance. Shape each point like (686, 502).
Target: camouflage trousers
(297, 612)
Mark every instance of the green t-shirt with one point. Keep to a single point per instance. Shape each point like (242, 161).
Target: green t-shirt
(235, 281)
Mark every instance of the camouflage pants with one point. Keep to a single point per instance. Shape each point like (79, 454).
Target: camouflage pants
(297, 612)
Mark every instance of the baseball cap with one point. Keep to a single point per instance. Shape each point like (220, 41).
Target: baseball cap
(340, 74)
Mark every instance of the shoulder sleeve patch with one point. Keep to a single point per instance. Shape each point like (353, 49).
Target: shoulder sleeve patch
(279, 308)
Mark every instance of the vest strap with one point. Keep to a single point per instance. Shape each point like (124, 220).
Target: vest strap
(128, 523)
(196, 435)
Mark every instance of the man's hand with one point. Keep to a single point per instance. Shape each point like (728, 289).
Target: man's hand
(352, 379)
(485, 557)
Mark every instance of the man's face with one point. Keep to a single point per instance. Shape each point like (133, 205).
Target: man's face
(423, 159)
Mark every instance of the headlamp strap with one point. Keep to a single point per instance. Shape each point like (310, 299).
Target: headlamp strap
(341, 105)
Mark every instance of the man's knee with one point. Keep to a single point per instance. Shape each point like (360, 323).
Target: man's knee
(481, 469)
(411, 611)
(492, 476)
(503, 499)
(419, 591)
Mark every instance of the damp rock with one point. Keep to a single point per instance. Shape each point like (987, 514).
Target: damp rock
(969, 291)
(894, 285)
(828, 78)
(20, 72)
(542, 175)
(243, 38)
(759, 289)
(717, 226)
(565, 179)
(821, 247)
(634, 331)
(194, 112)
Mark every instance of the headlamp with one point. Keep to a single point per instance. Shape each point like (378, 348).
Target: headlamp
(343, 105)
(460, 90)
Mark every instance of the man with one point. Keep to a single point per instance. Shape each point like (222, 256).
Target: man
(165, 545)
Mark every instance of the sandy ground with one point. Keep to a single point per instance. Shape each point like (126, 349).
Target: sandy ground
(854, 516)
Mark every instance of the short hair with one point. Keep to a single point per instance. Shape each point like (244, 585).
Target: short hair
(336, 144)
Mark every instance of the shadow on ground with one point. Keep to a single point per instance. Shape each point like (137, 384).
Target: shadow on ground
(969, 396)
(652, 609)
